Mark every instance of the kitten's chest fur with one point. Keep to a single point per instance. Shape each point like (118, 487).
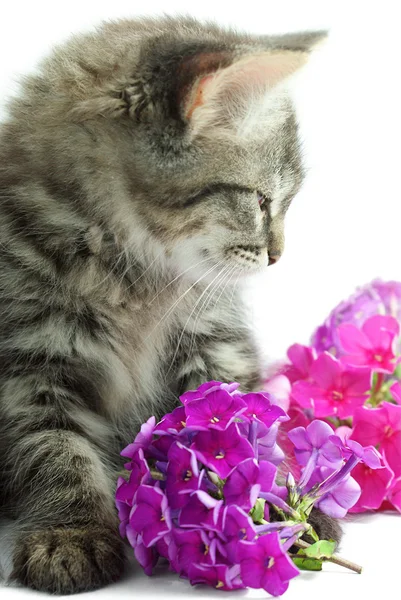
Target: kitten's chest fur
(159, 340)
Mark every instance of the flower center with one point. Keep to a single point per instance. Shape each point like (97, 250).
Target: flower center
(388, 432)
(219, 584)
(378, 358)
(183, 423)
(242, 534)
(337, 396)
(162, 518)
(269, 562)
(206, 550)
(214, 420)
(220, 454)
(187, 475)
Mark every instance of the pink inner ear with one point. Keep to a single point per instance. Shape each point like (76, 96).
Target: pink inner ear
(198, 96)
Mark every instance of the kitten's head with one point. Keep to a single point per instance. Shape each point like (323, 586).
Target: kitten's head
(205, 133)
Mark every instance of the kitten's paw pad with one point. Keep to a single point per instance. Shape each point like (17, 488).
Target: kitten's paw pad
(67, 561)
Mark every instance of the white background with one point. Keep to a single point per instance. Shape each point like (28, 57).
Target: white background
(343, 228)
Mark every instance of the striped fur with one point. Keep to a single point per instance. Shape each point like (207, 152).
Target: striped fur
(123, 232)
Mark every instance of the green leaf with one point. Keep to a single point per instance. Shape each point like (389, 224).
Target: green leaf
(258, 511)
(320, 550)
(313, 534)
(307, 564)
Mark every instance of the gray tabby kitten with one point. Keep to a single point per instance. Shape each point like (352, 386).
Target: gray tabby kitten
(144, 169)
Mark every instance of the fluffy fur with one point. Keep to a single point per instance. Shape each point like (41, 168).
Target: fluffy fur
(144, 170)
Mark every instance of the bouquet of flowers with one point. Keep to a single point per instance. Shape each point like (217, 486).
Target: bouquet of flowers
(349, 377)
(208, 489)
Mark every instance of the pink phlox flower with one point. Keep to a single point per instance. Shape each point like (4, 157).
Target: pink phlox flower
(142, 440)
(301, 359)
(150, 514)
(246, 481)
(338, 500)
(374, 483)
(206, 388)
(373, 345)
(381, 427)
(335, 389)
(279, 390)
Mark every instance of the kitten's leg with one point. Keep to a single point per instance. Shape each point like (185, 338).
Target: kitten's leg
(59, 486)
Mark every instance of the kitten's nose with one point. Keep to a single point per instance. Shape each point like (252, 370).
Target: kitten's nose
(273, 258)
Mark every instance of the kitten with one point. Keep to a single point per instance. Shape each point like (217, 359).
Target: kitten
(144, 170)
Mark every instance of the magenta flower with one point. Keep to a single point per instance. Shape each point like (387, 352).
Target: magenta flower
(147, 557)
(302, 359)
(371, 346)
(237, 527)
(206, 388)
(220, 577)
(150, 515)
(142, 440)
(381, 426)
(172, 423)
(260, 408)
(245, 482)
(202, 510)
(374, 484)
(190, 546)
(394, 494)
(338, 499)
(336, 389)
(217, 410)
(264, 564)
(221, 451)
(183, 475)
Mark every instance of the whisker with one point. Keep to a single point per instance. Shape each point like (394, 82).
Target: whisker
(170, 310)
(178, 276)
(190, 315)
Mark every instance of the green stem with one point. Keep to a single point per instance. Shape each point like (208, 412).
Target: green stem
(343, 562)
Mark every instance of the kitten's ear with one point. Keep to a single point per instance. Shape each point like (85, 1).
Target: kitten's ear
(237, 97)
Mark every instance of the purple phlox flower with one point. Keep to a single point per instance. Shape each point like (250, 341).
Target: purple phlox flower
(123, 507)
(333, 484)
(315, 439)
(183, 475)
(279, 390)
(260, 408)
(237, 526)
(368, 455)
(221, 451)
(336, 389)
(172, 423)
(217, 410)
(373, 345)
(206, 388)
(381, 426)
(147, 557)
(246, 481)
(220, 577)
(302, 359)
(267, 447)
(264, 564)
(340, 497)
(395, 390)
(193, 546)
(142, 440)
(202, 510)
(150, 515)
(390, 294)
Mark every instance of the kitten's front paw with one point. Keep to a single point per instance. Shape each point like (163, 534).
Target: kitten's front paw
(67, 561)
